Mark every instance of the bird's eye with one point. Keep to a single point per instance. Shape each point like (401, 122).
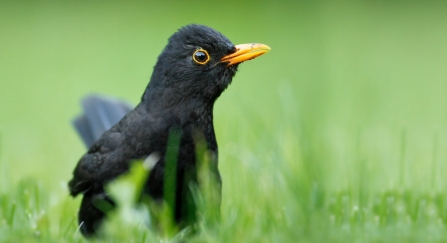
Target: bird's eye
(201, 56)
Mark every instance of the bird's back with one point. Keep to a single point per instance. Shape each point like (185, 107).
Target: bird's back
(134, 136)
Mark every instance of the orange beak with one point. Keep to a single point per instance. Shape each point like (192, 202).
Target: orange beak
(245, 52)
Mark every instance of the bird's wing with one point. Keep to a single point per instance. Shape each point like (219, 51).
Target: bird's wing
(100, 113)
(109, 155)
(102, 162)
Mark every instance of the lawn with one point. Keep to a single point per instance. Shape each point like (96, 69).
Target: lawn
(338, 134)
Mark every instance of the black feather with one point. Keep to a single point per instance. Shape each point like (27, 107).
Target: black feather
(179, 99)
(100, 113)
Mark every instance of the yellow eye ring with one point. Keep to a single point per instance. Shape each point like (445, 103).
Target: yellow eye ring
(201, 56)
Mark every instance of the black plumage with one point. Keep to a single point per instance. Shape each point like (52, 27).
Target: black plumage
(195, 67)
(100, 113)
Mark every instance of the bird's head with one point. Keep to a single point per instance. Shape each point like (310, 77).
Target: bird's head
(198, 63)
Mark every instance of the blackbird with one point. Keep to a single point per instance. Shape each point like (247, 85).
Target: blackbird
(194, 68)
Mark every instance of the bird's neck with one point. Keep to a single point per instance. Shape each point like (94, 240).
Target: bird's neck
(184, 111)
(159, 98)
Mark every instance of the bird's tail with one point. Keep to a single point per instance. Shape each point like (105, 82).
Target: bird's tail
(100, 113)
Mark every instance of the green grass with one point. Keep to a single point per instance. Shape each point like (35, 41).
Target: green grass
(336, 135)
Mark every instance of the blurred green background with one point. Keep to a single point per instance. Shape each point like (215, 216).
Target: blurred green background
(352, 93)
